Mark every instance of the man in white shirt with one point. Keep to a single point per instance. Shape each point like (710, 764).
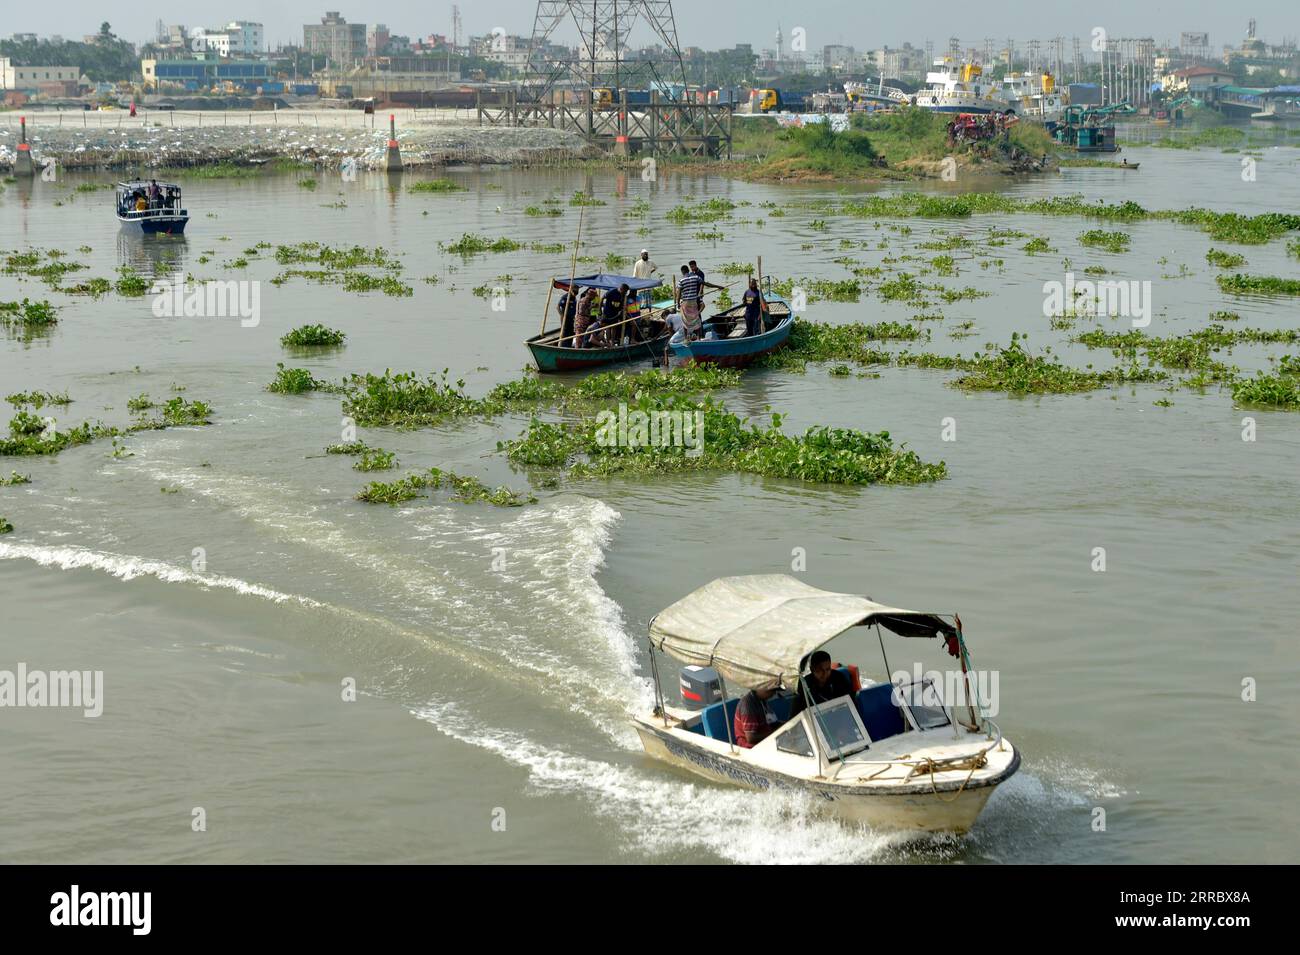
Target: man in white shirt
(643, 269)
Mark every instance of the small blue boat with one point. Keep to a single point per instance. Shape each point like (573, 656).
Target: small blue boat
(725, 342)
(147, 206)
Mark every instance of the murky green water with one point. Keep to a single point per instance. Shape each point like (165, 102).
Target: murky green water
(485, 689)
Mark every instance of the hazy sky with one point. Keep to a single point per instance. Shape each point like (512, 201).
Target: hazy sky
(710, 25)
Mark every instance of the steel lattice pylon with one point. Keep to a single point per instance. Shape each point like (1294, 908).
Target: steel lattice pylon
(602, 60)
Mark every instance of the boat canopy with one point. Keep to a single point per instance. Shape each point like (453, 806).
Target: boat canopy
(759, 628)
(133, 184)
(607, 282)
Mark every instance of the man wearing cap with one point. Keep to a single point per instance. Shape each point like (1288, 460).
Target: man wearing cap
(643, 269)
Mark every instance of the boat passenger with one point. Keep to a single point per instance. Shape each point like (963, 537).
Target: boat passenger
(704, 283)
(755, 720)
(754, 309)
(155, 194)
(644, 269)
(822, 683)
(587, 326)
(688, 302)
(141, 203)
(568, 308)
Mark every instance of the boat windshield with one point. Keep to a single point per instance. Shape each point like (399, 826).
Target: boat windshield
(840, 727)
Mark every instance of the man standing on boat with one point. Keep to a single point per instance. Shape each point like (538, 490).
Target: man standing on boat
(754, 309)
(644, 269)
(822, 683)
(689, 289)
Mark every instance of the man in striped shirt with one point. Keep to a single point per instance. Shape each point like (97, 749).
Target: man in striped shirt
(689, 289)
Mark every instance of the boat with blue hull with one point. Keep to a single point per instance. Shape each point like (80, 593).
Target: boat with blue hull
(149, 207)
(726, 343)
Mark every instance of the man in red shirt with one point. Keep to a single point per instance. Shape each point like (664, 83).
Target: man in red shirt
(754, 720)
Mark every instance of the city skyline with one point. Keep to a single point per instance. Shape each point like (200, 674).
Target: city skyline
(715, 27)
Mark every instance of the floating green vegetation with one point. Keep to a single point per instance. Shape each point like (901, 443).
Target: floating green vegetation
(1234, 227)
(1293, 247)
(131, 283)
(581, 198)
(375, 459)
(179, 412)
(344, 257)
(543, 211)
(735, 268)
(5, 526)
(295, 381)
(1289, 365)
(365, 282)
(722, 441)
(817, 341)
(352, 447)
(15, 478)
(471, 244)
(839, 371)
(313, 336)
(405, 399)
(139, 403)
(308, 183)
(28, 314)
(1110, 241)
(1018, 372)
(1096, 270)
(436, 185)
(1271, 391)
(1222, 316)
(614, 261)
(1038, 245)
(31, 434)
(466, 489)
(1225, 260)
(1238, 284)
(95, 288)
(711, 210)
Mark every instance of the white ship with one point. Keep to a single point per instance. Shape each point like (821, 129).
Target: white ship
(1032, 95)
(953, 87)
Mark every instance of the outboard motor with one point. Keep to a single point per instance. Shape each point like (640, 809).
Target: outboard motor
(700, 687)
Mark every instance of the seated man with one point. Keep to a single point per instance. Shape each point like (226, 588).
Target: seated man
(822, 683)
(755, 720)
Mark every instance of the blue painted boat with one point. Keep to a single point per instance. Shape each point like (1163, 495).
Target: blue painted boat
(552, 352)
(162, 215)
(725, 342)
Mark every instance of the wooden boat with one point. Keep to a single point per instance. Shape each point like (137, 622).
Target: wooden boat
(728, 345)
(551, 353)
(1127, 165)
(162, 215)
(892, 755)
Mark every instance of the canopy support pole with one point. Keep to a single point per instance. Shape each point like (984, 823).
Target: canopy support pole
(659, 693)
(730, 730)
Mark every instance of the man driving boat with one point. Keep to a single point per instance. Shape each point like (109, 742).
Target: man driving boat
(822, 683)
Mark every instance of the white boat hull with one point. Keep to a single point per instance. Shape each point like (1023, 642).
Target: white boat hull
(949, 805)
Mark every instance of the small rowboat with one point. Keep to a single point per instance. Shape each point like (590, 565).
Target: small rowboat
(551, 352)
(729, 346)
(1127, 165)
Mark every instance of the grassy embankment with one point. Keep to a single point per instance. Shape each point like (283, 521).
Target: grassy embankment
(912, 143)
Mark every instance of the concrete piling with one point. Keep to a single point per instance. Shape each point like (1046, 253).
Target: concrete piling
(393, 159)
(23, 165)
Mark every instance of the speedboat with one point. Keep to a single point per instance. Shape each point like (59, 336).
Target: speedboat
(891, 755)
(148, 206)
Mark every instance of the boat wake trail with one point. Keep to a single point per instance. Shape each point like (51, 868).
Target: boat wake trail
(674, 820)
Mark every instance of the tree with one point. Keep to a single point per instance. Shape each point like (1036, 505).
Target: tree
(106, 31)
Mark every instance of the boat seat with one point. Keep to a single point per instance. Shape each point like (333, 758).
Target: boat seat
(879, 714)
(718, 721)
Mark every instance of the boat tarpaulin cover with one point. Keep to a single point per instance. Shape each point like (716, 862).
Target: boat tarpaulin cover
(607, 282)
(758, 628)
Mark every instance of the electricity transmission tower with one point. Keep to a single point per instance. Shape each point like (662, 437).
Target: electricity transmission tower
(603, 58)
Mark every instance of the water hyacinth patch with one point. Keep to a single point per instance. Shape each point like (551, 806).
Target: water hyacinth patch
(466, 490)
(28, 314)
(471, 244)
(313, 336)
(1110, 241)
(1270, 391)
(435, 186)
(1225, 260)
(15, 478)
(295, 381)
(1238, 284)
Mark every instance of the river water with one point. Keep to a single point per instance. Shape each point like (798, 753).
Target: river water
(497, 653)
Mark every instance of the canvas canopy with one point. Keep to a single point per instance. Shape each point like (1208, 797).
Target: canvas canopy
(758, 628)
(606, 282)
